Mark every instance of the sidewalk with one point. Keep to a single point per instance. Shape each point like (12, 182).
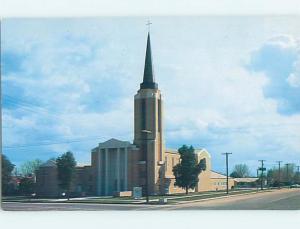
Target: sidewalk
(154, 200)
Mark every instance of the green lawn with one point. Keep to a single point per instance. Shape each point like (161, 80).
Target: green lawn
(208, 196)
(172, 199)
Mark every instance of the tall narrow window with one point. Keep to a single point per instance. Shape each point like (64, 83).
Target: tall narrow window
(159, 115)
(143, 114)
(166, 163)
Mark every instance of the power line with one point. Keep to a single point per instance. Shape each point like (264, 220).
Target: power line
(33, 109)
(50, 143)
(6, 96)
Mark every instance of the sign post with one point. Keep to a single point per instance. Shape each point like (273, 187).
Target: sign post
(137, 193)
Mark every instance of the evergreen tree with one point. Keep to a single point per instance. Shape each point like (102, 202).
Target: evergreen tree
(6, 167)
(186, 172)
(26, 186)
(65, 171)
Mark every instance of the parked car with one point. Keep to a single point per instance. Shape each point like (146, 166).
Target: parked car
(295, 186)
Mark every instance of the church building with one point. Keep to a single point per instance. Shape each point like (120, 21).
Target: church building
(119, 166)
(145, 163)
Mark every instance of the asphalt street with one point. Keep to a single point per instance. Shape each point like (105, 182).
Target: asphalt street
(275, 200)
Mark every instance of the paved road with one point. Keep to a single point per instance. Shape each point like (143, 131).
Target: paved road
(275, 200)
(68, 207)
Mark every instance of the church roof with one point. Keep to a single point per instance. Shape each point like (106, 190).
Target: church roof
(148, 79)
(197, 151)
(246, 179)
(114, 143)
(216, 175)
(171, 151)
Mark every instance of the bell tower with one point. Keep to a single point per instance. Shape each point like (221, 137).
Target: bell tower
(148, 127)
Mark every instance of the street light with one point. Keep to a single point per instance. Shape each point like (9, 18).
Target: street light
(146, 164)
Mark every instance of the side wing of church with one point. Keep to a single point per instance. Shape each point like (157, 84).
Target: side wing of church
(119, 166)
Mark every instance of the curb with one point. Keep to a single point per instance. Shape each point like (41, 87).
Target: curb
(221, 197)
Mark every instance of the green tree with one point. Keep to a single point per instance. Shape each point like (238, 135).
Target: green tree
(30, 167)
(234, 174)
(186, 172)
(65, 171)
(273, 177)
(288, 174)
(7, 168)
(26, 186)
(240, 170)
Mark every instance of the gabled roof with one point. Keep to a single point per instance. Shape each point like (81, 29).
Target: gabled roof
(114, 143)
(197, 151)
(202, 151)
(216, 175)
(171, 151)
(246, 179)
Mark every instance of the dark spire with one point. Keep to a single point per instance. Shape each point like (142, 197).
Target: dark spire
(148, 80)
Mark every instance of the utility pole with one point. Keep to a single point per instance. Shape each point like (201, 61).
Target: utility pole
(257, 177)
(298, 173)
(279, 174)
(226, 154)
(287, 173)
(261, 174)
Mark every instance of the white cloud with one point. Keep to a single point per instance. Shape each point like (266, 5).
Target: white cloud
(294, 77)
(278, 58)
(84, 79)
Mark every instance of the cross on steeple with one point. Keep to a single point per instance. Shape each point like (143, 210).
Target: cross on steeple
(148, 24)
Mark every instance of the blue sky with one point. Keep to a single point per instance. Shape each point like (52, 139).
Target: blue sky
(230, 84)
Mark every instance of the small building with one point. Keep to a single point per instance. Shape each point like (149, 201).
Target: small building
(246, 182)
(47, 184)
(46, 180)
(219, 181)
(172, 158)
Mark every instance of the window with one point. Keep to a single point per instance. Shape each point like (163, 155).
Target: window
(166, 163)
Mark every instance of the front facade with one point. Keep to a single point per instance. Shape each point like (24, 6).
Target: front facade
(112, 163)
(119, 166)
(172, 158)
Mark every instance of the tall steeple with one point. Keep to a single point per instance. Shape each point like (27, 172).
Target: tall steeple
(148, 128)
(148, 79)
